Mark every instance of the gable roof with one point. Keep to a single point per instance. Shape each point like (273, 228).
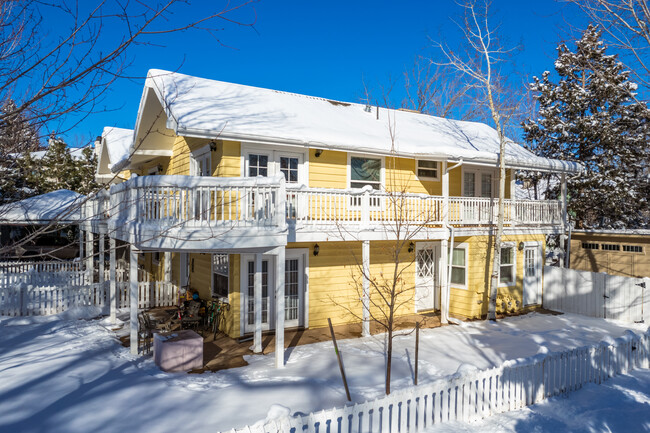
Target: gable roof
(62, 205)
(113, 150)
(199, 107)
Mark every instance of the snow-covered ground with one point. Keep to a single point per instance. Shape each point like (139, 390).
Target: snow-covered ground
(622, 404)
(58, 374)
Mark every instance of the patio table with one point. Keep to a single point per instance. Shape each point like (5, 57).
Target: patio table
(178, 351)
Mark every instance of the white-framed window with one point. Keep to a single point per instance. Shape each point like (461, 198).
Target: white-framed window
(365, 171)
(267, 160)
(428, 170)
(220, 274)
(459, 267)
(258, 165)
(508, 266)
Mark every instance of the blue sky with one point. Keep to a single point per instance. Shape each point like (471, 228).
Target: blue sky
(327, 49)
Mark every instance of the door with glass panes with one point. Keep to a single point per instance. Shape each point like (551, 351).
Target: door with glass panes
(479, 183)
(427, 286)
(293, 292)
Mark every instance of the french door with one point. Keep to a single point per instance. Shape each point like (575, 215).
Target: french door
(294, 290)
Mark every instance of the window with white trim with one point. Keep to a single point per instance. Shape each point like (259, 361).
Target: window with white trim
(258, 165)
(220, 273)
(459, 266)
(365, 171)
(507, 270)
(428, 169)
(289, 167)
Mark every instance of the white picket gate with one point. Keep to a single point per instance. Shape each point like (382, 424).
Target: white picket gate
(596, 294)
(471, 396)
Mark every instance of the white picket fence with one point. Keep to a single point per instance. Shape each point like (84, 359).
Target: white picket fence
(471, 396)
(26, 300)
(42, 288)
(56, 273)
(596, 294)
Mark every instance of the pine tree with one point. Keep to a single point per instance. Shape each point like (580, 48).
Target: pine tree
(591, 116)
(17, 136)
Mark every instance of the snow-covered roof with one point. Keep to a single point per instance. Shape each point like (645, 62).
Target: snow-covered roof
(62, 206)
(75, 152)
(614, 232)
(113, 149)
(199, 107)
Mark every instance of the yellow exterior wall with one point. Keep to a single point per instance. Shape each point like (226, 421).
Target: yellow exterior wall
(401, 177)
(328, 170)
(473, 301)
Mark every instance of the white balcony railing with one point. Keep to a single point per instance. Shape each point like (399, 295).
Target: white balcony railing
(267, 203)
(194, 201)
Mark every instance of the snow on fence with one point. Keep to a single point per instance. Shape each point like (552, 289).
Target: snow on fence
(471, 396)
(596, 294)
(27, 300)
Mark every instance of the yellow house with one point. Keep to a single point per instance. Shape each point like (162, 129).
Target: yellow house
(295, 208)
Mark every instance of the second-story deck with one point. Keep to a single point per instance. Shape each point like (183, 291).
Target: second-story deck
(209, 213)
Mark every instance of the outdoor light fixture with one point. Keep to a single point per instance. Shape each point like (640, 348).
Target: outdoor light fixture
(213, 145)
(411, 247)
(316, 249)
(521, 246)
(318, 153)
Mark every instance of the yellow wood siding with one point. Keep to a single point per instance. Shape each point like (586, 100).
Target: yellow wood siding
(401, 177)
(473, 301)
(328, 170)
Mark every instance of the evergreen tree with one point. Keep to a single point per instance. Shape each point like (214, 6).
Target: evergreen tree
(17, 136)
(591, 116)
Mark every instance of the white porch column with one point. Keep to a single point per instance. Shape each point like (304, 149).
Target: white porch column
(444, 249)
(133, 279)
(444, 283)
(112, 279)
(365, 301)
(257, 299)
(445, 193)
(168, 266)
(81, 243)
(565, 217)
(90, 265)
(102, 248)
(279, 307)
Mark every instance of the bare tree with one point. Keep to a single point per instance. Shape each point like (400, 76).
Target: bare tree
(50, 76)
(479, 61)
(435, 89)
(381, 297)
(626, 24)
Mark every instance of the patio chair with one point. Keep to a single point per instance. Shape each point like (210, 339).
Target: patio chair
(190, 317)
(145, 332)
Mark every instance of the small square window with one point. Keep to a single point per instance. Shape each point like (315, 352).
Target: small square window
(428, 169)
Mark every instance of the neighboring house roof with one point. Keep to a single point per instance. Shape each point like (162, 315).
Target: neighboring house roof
(199, 107)
(62, 205)
(113, 150)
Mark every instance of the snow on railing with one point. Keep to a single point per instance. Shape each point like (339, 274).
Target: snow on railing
(474, 395)
(364, 206)
(266, 202)
(200, 201)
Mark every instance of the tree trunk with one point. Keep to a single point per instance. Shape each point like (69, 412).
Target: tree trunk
(389, 358)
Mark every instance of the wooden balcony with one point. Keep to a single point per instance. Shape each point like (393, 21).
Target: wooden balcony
(197, 213)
